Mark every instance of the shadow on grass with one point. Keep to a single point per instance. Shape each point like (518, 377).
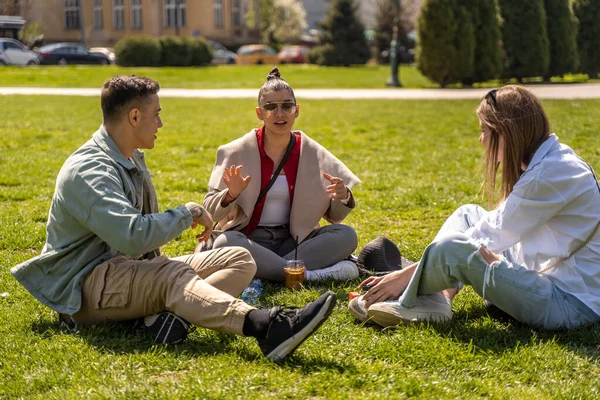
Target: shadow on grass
(491, 332)
(126, 338)
(123, 338)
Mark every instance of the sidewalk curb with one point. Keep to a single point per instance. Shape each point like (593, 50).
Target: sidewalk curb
(558, 91)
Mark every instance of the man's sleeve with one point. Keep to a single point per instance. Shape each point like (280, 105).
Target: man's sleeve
(112, 217)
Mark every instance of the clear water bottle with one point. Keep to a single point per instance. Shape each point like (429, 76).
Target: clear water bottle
(252, 293)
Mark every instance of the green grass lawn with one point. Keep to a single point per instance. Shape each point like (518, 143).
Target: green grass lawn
(418, 162)
(225, 76)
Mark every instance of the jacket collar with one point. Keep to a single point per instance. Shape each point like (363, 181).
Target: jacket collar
(545, 148)
(105, 142)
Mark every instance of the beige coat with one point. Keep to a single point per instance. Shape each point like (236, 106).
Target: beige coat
(310, 203)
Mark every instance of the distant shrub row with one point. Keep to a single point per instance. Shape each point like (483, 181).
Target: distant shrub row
(165, 51)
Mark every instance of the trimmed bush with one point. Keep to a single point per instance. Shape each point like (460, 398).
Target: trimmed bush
(588, 38)
(202, 53)
(343, 39)
(322, 55)
(445, 42)
(174, 51)
(138, 51)
(562, 36)
(525, 39)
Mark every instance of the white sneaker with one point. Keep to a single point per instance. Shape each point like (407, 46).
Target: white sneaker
(433, 307)
(343, 270)
(357, 308)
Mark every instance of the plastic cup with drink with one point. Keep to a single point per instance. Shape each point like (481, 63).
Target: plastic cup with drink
(294, 274)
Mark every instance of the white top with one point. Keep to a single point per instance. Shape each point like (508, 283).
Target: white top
(553, 208)
(276, 210)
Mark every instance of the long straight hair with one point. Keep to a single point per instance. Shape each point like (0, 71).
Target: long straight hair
(515, 114)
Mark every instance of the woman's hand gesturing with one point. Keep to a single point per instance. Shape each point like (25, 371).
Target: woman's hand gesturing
(235, 182)
(337, 189)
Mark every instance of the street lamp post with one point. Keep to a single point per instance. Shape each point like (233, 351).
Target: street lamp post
(394, 80)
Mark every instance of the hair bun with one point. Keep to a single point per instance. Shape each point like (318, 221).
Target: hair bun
(274, 74)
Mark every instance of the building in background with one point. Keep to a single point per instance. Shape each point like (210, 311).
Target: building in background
(104, 22)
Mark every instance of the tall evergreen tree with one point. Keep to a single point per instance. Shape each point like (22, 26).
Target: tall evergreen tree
(343, 40)
(487, 62)
(562, 37)
(446, 42)
(525, 38)
(588, 38)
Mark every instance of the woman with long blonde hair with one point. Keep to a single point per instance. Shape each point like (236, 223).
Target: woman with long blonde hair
(535, 256)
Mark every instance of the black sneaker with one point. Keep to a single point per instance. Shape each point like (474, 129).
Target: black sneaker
(289, 328)
(167, 328)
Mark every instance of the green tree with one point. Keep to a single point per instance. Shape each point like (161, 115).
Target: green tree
(280, 21)
(525, 38)
(31, 33)
(445, 42)
(343, 40)
(588, 38)
(562, 37)
(385, 28)
(487, 57)
(385, 25)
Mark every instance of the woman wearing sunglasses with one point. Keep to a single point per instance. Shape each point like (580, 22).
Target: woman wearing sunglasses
(273, 186)
(535, 256)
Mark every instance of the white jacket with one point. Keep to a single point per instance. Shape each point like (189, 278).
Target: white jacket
(554, 207)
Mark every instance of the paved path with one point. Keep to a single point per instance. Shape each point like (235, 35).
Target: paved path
(557, 91)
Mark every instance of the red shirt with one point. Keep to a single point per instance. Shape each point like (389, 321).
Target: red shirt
(266, 171)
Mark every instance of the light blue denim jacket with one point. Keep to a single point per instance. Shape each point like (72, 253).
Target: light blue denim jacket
(96, 212)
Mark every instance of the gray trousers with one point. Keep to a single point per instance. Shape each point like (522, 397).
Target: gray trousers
(271, 247)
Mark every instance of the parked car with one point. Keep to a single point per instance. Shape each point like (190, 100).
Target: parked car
(293, 54)
(221, 54)
(70, 53)
(13, 52)
(107, 51)
(256, 54)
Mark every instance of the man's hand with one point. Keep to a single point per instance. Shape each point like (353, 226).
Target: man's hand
(200, 217)
(337, 189)
(235, 182)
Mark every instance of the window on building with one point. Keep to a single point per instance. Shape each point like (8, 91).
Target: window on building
(118, 14)
(136, 14)
(181, 12)
(236, 16)
(72, 14)
(175, 13)
(98, 14)
(218, 6)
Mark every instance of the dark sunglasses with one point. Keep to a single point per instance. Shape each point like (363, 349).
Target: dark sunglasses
(491, 95)
(286, 106)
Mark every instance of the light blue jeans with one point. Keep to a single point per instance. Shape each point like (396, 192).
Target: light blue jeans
(271, 247)
(530, 298)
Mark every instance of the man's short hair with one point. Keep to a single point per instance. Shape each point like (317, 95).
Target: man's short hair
(122, 92)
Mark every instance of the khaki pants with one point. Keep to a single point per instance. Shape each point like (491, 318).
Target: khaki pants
(199, 287)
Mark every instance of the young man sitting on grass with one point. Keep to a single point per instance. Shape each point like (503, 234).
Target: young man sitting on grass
(101, 261)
